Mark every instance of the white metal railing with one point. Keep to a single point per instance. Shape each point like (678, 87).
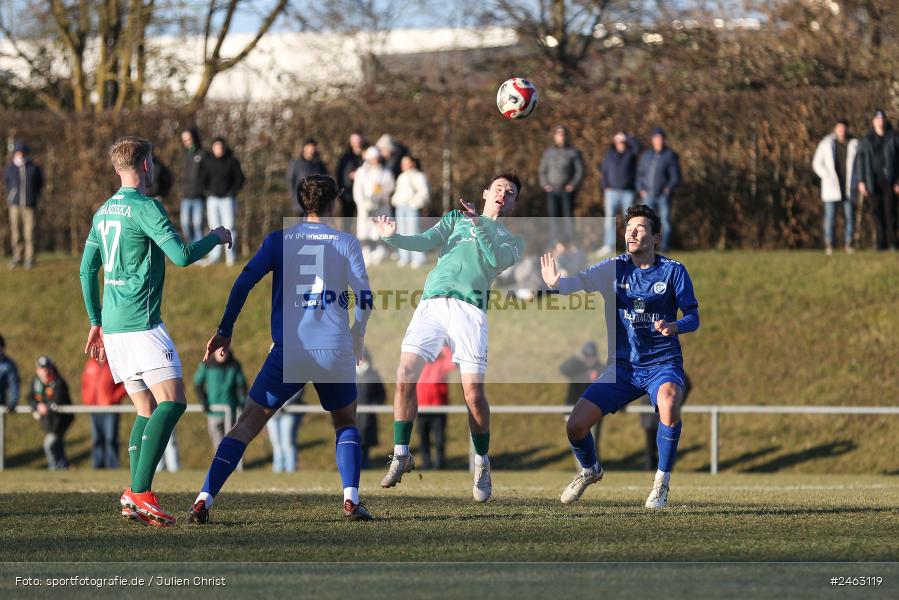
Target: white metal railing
(712, 410)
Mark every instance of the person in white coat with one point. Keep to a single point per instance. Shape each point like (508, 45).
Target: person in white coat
(372, 188)
(834, 163)
(411, 195)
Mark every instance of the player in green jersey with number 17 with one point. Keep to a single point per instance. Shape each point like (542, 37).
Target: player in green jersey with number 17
(130, 236)
(474, 249)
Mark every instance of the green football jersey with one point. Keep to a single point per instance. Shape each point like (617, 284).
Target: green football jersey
(470, 257)
(128, 230)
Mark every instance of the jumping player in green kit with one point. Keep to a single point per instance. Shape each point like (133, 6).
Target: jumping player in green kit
(474, 249)
(129, 238)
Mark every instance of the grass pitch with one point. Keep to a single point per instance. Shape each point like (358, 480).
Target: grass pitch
(431, 516)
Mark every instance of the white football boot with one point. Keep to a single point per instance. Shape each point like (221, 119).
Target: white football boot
(658, 496)
(585, 478)
(399, 464)
(483, 487)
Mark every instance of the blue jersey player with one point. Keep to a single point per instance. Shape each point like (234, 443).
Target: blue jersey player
(311, 335)
(647, 290)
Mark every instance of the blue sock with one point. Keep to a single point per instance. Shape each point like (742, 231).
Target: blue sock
(585, 451)
(349, 456)
(229, 453)
(666, 440)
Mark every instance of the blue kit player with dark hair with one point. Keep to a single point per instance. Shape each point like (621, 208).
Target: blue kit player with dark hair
(315, 267)
(647, 290)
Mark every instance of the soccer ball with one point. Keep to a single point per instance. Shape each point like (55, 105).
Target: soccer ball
(516, 98)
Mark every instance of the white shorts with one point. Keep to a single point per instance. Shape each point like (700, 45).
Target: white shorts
(135, 353)
(439, 321)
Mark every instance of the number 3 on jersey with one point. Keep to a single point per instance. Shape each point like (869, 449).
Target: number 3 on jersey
(110, 247)
(316, 269)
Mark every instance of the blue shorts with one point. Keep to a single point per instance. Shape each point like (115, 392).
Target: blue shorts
(331, 371)
(621, 384)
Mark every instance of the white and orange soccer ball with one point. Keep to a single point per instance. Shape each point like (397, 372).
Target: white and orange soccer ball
(516, 98)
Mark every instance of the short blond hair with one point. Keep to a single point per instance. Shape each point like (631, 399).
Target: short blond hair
(129, 152)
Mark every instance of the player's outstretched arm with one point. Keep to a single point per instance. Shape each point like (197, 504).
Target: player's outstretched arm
(420, 242)
(154, 222)
(216, 343)
(261, 263)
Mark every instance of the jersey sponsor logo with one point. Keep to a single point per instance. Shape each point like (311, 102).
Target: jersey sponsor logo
(659, 287)
(122, 210)
(114, 282)
(639, 305)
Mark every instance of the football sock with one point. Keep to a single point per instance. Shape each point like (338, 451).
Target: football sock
(156, 437)
(349, 458)
(134, 444)
(351, 494)
(205, 497)
(585, 451)
(481, 442)
(666, 441)
(480, 459)
(227, 457)
(402, 433)
(663, 476)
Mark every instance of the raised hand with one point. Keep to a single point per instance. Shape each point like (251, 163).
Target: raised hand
(549, 270)
(216, 343)
(470, 211)
(385, 225)
(224, 235)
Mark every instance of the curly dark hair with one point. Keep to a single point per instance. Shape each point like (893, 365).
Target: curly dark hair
(642, 210)
(317, 194)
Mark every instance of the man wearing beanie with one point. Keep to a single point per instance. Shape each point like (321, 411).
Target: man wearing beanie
(879, 178)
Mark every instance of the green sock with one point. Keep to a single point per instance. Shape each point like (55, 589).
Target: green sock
(402, 432)
(481, 442)
(134, 444)
(156, 438)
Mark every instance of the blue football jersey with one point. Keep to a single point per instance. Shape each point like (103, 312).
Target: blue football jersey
(641, 297)
(315, 267)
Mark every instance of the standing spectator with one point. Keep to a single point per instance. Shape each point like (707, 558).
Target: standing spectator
(411, 195)
(879, 178)
(222, 382)
(833, 162)
(49, 391)
(161, 184)
(370, 390)
(432, 389)
(372, 189)
(658, 174)
(561, 174)
(282, 431)
(581, 369)
(98, 388)
(349, 163)
(193, 193)
(24, 181)
(392, 153)
(308, 163)
(223, 178)
(9, 379)
(619, 179)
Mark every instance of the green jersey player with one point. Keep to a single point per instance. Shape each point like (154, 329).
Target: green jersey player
(474, 249)
(130, 236)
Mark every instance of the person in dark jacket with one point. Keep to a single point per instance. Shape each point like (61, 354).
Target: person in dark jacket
(222, 179)
(193, 194)
(221, 382)
(370, 390)
(349, 163)
(561, 173)
(161, 184)
(878, 172)
(24, 180)
(658, 174)
(580, 370)
(619, 180)
(49, 391)
(308, 163)
(9, 379)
